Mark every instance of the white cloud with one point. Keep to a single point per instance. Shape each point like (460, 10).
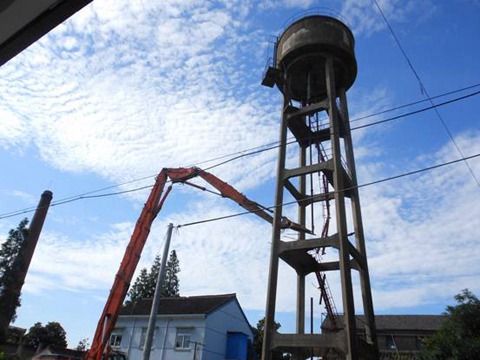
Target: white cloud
(13, 132)
(364, 18)
(289, 4)
(227, 252)
(413, 250)
(24, 196)
(297, 4)
(62, 262)
(142, 95)
(126, 88)
(421, 230)
(147, 99)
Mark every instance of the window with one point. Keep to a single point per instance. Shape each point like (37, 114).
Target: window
(182, 340)
(116, 340)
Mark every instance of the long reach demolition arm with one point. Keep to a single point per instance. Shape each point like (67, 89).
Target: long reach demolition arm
(139, 237)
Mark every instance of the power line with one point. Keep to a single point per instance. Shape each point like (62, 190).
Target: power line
(246, 152)
(415, 103)
(252, 150)
(424, 90)
(434, 106)
(414, 172)
(84, 195)
(293, 140)
(73, 199)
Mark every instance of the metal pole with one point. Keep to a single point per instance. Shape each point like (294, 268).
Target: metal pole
(195, 351)
(156, 297)
(311, 320)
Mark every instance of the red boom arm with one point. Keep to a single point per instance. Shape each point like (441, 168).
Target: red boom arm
(139, 237)
(127, 268)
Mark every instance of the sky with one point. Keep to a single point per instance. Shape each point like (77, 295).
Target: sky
(125, 88)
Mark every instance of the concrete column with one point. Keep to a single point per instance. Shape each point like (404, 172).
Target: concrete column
(344, 256)
(22, 262)
(274, 259)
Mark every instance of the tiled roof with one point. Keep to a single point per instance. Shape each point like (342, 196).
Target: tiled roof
(398, 322)
(409, 322)
(180, 305)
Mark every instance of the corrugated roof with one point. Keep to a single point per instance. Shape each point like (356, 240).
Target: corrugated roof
(180, 305)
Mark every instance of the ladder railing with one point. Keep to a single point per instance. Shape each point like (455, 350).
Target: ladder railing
(325, 292)
(326, 296)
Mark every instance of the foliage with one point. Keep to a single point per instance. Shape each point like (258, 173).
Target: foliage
(459, 336)
(83, 345)
(171, 286)
(9, 267)
(258, 339)
(140, 288)
(144, 285)
(14, 335)
(50, 334)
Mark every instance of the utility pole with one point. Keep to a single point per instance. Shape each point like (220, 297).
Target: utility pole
(156, 298)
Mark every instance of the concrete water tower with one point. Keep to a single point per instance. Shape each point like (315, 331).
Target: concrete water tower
(314, 65)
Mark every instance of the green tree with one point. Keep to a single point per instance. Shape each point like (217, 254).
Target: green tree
(171, 286)
(50, 334)
(144, 285)
(258, 340)
(459, 336)
(9, 266)
(140, 288)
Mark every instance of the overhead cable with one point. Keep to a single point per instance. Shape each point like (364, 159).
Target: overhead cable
(424, 91)
(414, 103)
(434, 106)
(73, 199)
(414, 172)
(244, 153)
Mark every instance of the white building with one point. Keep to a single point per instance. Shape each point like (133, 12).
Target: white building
(194, 328)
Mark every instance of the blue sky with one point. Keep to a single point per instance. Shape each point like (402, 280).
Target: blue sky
(125, 88)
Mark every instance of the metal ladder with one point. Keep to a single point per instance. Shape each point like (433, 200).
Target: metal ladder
(325, 292)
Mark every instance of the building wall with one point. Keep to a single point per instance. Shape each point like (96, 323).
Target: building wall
(208, 335)
(401, 340)
(228, 318)
(163, 344)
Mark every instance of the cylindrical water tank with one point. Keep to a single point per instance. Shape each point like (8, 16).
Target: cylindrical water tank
(302, 50)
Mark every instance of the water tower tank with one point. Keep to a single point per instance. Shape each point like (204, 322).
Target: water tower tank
(303, 49)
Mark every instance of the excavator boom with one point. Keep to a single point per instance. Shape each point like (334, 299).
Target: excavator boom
(139, 237)
(127, 268)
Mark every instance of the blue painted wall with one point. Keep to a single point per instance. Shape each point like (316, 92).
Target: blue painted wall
(237, 345)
